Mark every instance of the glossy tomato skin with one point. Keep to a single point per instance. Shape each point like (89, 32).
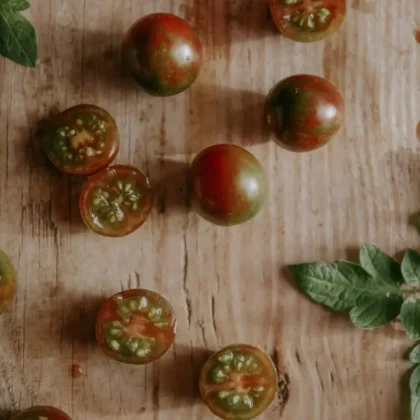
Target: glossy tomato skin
(308, 20)
(41, 412)
(81, 140)
(239, 382)
(7, 282)
(116, 201)
(162, 53)
(119, 319)
(229, 185)
(304, 112)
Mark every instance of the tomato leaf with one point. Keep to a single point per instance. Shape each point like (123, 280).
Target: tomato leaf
(410, 317)
(378, 264)
(415, 355)
(15, 5)
(415, 393)
(410, 266)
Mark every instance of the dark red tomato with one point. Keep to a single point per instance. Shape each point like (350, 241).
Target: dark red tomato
(81, 140)
(41, 413)
(229, 185)
(7, 282)
(239, 382)
(116, 201)
(163, 54)
(308, 20)
(304, 112)
(136, 326)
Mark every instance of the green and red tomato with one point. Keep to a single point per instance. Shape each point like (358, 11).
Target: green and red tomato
(308, 20)
(41, 413)
(7, 282)
(304, 112)
(116, 201)
(162, 53)
(238, 382)
(229, 184)
(81, 140)
(136, 326)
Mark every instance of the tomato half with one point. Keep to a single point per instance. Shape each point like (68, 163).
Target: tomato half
(7, 282)
(135, 326)
(308, 20)
(81, 140)
(162, 53)
(116, 201)
(304, 112)
(41, 413)
(238, 382)
(229, 184)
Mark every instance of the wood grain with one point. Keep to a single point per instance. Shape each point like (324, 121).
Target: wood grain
(226, 285)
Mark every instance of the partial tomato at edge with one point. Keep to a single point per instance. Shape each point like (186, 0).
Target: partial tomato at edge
(238, 382)
(81, 140)
(308, 20)
(41, 413)
(136, 326)
(116, 201)
(7, 282)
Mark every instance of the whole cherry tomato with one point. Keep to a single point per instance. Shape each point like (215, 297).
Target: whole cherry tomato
(163, 54)
(308, 20)
(304, 112)
(229, 184)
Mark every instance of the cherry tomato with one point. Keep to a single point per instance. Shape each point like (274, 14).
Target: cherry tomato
(7, 282)
(41, 413)
(308, 20)
(116, 201)
(135, 326)
(229, 185)
(304, 112)
(238, 382)
(162, 53)
(81, 140)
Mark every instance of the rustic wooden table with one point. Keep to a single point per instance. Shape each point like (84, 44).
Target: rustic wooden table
(226, 284)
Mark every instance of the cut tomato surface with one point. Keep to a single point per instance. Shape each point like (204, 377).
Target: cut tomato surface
(7, 282)
(41, 413)
(136, 326)
(81, 140)
(239, 382)
(116, 201)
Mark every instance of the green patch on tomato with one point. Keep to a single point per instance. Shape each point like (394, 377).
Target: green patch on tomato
(7, 282)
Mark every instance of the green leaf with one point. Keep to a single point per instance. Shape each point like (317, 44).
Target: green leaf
(415, 393)
(415, 355)
(17, 38)
(378, 264)
(410, 317)
(15, 5)
(410, 266)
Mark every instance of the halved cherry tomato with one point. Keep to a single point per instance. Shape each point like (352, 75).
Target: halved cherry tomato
(41, 413)
(7, 282)
(135, 326)
(238, 382)
(116, 201)
(81, 140)
(308, 20)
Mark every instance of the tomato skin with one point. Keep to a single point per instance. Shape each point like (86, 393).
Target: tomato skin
(50, 413)
(162, 53)
(301, 30)
(68, 118)
(304, 112)
(103, 179)
(7, 282)
(108, 312)
(229, 185)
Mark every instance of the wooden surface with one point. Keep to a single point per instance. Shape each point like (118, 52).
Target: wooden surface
(226, 285)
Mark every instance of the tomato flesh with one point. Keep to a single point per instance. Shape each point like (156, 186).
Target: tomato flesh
(116, 201)
(41, 413)
(304, 112)
(136, 326)
(229, 184)
(81, 140)
(162, 53)
(7, 282)
(308, 20)
(239, 382)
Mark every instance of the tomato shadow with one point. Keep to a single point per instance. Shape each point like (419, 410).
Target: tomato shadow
(6, 414)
